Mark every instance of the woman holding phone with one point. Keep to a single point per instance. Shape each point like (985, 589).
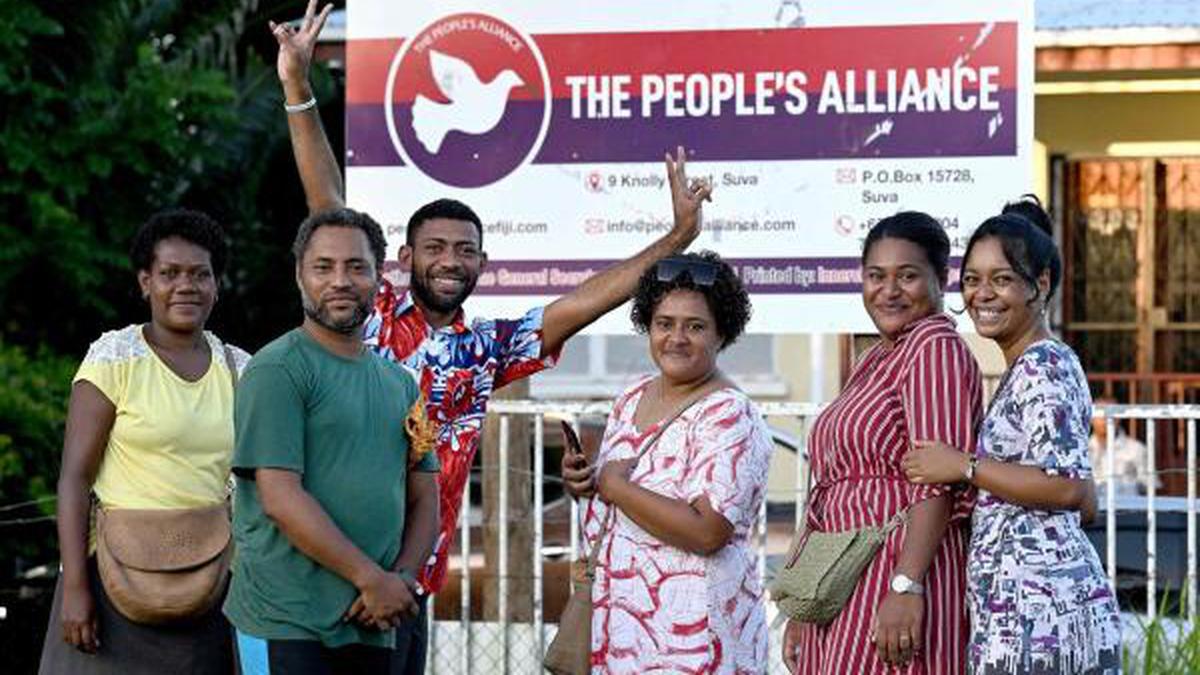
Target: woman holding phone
(676, 487)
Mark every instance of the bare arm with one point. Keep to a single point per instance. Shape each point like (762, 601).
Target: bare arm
(900, 617)
(926, 525)
(420, 522)
(605, 291)
(1030, 486)
(1087, 511)
(695, 527)
(304, 522)
(1055, 422)
(319, 172)
(932, 462)
(90, 417)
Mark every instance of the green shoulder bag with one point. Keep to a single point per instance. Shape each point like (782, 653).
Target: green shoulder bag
(824, 569)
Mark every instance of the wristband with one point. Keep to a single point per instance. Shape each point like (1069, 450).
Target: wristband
(301, 107)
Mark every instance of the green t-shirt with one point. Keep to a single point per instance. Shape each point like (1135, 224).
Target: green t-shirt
(339, 422)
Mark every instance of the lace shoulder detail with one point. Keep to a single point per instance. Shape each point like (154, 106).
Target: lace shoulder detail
(240, 356)
(115, 346)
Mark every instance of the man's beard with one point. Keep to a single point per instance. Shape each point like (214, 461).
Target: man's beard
(435, 302)
(345, 326)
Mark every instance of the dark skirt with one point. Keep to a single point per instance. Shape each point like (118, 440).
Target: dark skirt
(203, 646)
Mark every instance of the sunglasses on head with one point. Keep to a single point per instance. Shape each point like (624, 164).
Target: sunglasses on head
(701, 272)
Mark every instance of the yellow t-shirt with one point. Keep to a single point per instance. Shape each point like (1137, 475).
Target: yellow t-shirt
(172, 440)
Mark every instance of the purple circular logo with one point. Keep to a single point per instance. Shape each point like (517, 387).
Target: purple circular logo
(468, 100)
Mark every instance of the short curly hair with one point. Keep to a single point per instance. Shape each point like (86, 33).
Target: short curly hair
(342, 217)
(726, 297)
(195, 227)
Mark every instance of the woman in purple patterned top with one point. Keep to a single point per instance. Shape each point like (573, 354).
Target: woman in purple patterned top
(1038, 598)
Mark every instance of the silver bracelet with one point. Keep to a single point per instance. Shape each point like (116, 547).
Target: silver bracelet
(301, 107)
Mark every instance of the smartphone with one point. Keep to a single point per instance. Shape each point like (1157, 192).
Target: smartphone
(572, 439)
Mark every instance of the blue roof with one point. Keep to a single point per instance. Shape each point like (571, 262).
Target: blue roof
(1051, 15)
(1054, 15)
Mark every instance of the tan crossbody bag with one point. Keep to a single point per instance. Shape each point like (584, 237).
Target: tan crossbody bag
(164, 565)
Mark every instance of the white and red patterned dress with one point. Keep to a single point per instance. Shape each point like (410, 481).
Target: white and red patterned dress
(660, 609)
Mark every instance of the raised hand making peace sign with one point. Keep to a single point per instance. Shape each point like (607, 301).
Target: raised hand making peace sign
(296, 44)
(686, 197)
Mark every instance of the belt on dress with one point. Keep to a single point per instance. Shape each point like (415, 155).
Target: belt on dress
(825, 485)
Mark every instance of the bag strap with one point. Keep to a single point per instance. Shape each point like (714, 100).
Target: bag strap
(231, 363)
(900, 518)
(696, 397)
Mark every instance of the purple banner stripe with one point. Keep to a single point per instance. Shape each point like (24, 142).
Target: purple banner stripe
(780, 137)
(367, 141)
(760, 275)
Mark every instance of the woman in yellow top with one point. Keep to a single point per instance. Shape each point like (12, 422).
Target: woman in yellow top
(150, 426)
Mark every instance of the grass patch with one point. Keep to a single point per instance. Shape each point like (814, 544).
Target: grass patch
(1168, 644)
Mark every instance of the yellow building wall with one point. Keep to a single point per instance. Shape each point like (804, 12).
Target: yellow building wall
(1087, 124)
(1118, 124)
(793, 360)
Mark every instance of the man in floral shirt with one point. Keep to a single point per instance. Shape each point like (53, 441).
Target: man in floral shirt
(460, 362)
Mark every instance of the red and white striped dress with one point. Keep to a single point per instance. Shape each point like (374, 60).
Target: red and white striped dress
(924, 387)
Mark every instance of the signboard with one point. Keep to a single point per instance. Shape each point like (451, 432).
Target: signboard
(812, 119)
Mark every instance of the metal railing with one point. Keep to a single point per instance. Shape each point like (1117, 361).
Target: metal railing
(1152, 504)
(466, 646)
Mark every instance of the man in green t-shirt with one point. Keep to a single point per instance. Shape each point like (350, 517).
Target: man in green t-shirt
(324, 475)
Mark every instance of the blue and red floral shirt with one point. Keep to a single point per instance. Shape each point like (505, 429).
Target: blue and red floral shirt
(458, 366)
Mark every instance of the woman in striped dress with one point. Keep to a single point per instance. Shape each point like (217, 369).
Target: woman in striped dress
(907, 613)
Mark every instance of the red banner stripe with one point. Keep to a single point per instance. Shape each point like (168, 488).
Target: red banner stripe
(367, 64)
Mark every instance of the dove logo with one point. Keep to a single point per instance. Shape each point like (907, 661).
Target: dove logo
(468, 100)
(475, 107)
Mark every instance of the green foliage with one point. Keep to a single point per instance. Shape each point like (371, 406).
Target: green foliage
(109, 111)
(33, 402)
(1168, 644)
(103, 129)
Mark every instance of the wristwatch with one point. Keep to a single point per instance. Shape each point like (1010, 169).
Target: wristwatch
(972, 464)
(902, 584)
